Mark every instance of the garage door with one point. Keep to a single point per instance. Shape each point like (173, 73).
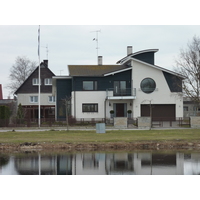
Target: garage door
(159, 111)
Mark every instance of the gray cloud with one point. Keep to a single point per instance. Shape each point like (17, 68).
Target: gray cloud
(73, 44)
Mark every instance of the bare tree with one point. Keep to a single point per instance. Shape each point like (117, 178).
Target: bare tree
(188, 65)
(67, 103)
(19, 72)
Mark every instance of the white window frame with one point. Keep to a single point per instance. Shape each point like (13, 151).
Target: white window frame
(48, 81)
(35, 81)
(51, 99)
(33, 99)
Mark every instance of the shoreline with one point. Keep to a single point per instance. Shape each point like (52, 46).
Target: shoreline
(140, 145)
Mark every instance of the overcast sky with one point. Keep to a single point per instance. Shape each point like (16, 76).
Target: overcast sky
(74, 44)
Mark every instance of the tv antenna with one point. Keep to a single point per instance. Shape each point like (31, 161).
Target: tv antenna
(61, 71)
(97, 40)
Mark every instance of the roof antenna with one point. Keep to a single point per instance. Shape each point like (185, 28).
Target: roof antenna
(61, 71)
(96, 39)
(47, 51)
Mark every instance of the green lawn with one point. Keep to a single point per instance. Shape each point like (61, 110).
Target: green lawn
(189, 135)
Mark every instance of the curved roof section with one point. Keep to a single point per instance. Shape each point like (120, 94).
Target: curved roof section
(145, 51)
(137, 55)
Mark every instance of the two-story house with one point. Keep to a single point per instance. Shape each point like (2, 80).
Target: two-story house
(135, 83)
(27, 93)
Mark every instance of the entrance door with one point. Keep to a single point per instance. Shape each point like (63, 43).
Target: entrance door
(119, 109)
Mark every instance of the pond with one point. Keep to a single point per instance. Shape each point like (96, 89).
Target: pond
(101, 163)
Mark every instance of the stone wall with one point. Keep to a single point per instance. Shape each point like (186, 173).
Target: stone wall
(195, 121)
(120, 122)
(144, 122)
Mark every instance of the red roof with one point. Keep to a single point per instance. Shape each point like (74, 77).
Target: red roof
(1, 92)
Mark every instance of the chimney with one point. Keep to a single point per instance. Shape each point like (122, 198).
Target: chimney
(46, 63)
(129, 50)
(100, 60)
(1, 93)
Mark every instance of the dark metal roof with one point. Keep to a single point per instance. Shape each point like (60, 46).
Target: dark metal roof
(93, 70)
(137, 53)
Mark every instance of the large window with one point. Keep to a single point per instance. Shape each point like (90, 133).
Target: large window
(89, 85)
(120, 88)
(148, 85)
(90, 107)
(33, 99)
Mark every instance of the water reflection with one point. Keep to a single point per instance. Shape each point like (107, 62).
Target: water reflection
(101, 163)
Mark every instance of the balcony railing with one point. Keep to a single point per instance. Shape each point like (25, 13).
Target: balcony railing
(116, 92)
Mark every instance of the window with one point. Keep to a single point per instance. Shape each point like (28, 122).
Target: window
(89, 107)
(148, 85)
(35, 81)
(119, 88)
(52, 99)
(185, 108)
(33, 99)
(196, 108)
(89, 85)
(48, 81)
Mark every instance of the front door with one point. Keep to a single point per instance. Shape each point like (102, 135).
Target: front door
(119, 109)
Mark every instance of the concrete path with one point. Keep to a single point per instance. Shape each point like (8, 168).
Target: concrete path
(31, 129)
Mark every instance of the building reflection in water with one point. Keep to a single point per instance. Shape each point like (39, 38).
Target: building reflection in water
(94, 163)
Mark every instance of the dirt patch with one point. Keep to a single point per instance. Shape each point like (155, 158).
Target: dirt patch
(172, 145)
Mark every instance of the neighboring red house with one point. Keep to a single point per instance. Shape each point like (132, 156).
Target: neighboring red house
(1, 93)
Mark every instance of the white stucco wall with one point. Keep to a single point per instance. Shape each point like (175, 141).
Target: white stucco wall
(93, 97)
(24, 99)
(162, 94)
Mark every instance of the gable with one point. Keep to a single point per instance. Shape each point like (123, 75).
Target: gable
(145, 57)
(28, 87)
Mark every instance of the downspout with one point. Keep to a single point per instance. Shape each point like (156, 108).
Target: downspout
(56, 104)
(105, 110)
(74, 104)
(73, 88)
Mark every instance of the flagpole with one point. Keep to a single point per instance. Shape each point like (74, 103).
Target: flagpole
(39, 77)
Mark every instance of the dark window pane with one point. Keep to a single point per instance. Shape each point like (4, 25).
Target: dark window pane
(148, 85)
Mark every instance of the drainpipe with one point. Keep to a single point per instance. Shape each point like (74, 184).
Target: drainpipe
(74, 104)
(105, 110)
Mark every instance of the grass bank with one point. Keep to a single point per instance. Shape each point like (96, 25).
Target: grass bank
(89, 139)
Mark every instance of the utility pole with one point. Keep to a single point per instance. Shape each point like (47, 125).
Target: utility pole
(39, 82)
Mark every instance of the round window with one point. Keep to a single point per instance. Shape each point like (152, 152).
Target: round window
(148, 85)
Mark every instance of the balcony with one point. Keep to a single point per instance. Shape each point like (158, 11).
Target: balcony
(116, 93)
